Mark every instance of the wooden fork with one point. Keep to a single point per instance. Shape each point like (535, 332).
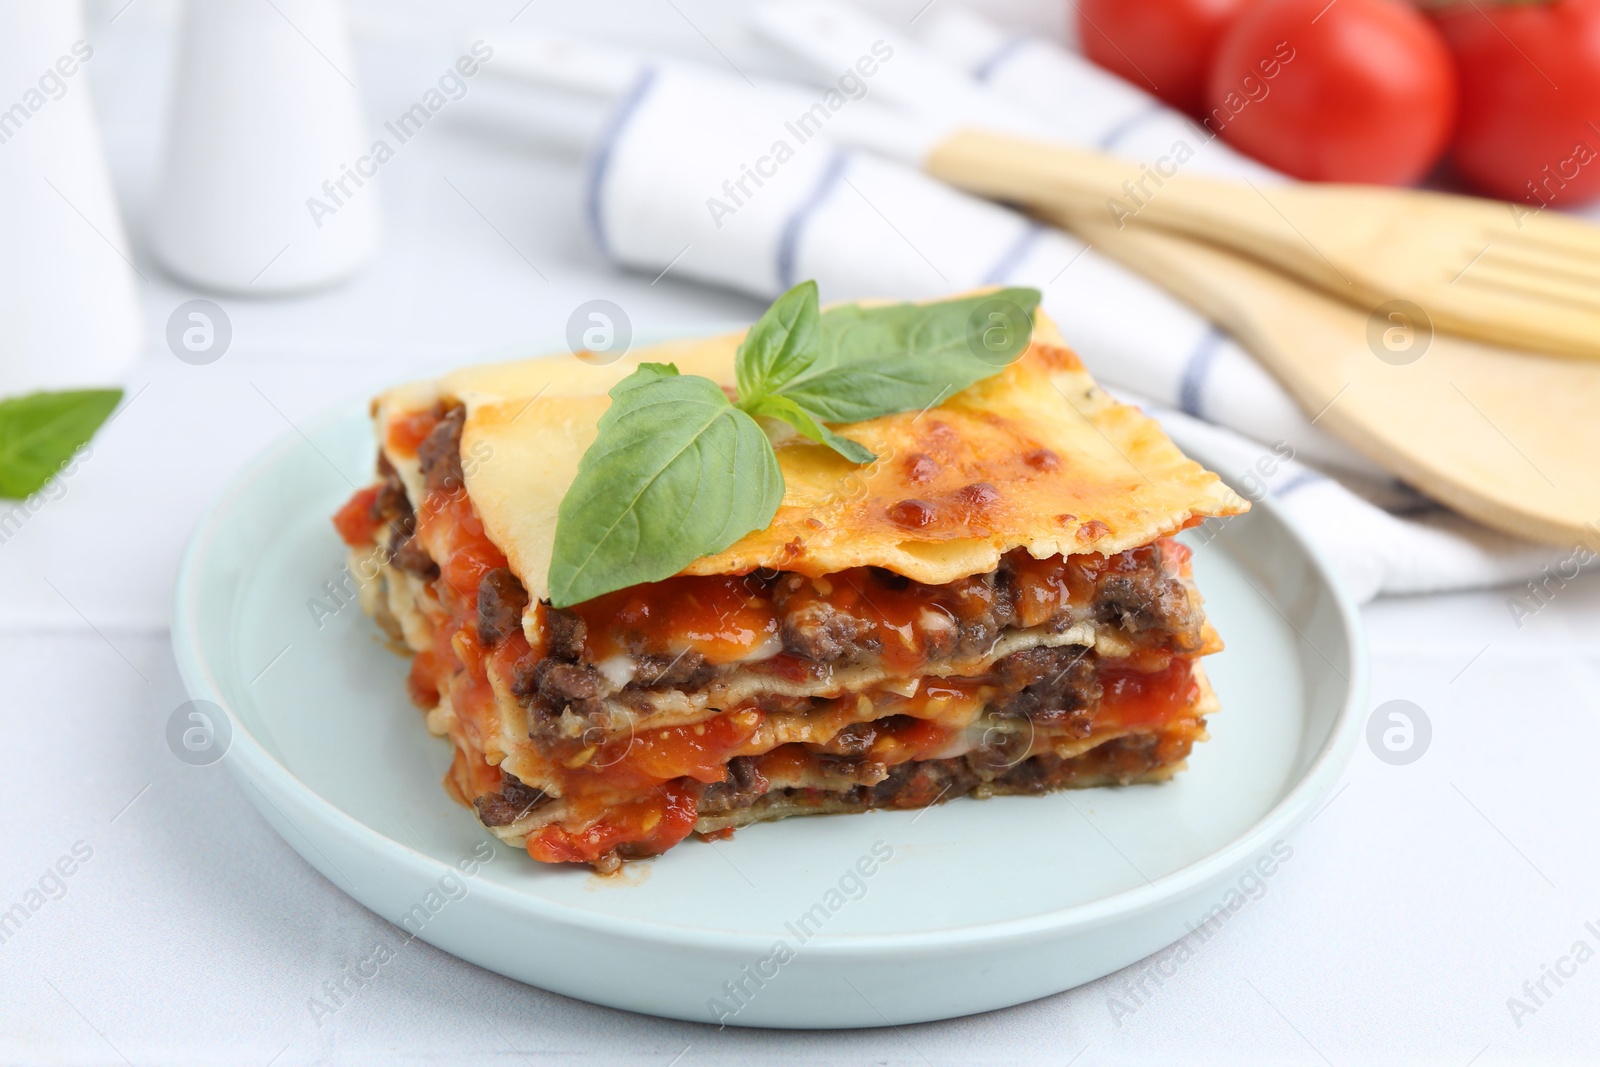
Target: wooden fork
(1507, 274)
(1508, 438)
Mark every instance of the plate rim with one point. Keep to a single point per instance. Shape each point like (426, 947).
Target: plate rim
(249, 761)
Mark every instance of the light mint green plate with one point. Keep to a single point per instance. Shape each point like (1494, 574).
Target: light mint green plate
(861, 920)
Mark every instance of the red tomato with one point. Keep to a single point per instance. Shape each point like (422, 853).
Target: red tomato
(1530, 97)
(1341, 91)
(1163, 46)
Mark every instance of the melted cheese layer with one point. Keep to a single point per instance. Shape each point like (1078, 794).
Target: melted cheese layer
(1035, 457)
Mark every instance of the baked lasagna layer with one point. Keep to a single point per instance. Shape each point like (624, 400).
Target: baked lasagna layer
(557, 792)
(1127, 760)
(792, 681)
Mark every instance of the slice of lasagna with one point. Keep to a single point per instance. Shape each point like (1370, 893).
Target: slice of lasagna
(994, 605)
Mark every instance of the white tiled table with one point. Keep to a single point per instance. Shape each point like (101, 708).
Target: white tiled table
(1417, 902)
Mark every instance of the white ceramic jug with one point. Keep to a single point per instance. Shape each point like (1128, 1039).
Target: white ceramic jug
(68, 309)
(256, 193)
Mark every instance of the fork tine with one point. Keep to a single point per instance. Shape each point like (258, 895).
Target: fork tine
(1515, 258)
(1521, 284)
(1560, 236)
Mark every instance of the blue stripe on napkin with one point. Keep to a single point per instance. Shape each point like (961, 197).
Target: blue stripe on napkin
(600, 160)
(789, 241)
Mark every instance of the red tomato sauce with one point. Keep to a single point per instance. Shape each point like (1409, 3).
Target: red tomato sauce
(1147, 698)
(727, 618)
(451, 531)
(721, 617)
(422, 684)
(651, 757)
(407, 432)
(356, 522)
(649, 825)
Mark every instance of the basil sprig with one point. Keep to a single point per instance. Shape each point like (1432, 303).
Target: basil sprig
(675, 465)
(678, 471)
(41, 431)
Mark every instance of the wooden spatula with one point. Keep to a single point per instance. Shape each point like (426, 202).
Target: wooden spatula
(1508, 275)
(1508, 438)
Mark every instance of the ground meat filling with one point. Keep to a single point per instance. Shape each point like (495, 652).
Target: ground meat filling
(412, 558)
(565, 697)
(563, 700)
(565, 634)
(1134, 592)
(1049, 686)
(439, 454)
(392, 508)
(924, 782)
(996, 591)
(514, 800)
(501, 601)
(743, 787)
(853, 740)
(688, 670)
(815, 629)
(1136, 595)
(1054, 687)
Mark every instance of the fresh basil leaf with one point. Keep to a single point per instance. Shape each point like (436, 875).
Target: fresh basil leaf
(40, 432)
(645, 373)
(675, 473)
(678, 472)
(784, 342)
(902, 357)
(781, 407)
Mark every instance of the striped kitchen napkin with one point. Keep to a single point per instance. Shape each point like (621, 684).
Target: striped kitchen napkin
(754, 185)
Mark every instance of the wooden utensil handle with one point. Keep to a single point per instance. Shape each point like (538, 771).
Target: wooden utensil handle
(1185, 270)
(1443, 422)
(1118, 192)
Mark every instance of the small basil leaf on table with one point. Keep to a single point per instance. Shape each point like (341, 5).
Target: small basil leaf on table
(675, 473)
(39, 432)
(783, 343)
(903, 357)
(781, 407)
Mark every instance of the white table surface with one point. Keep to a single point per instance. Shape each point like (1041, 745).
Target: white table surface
(1414, 905)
